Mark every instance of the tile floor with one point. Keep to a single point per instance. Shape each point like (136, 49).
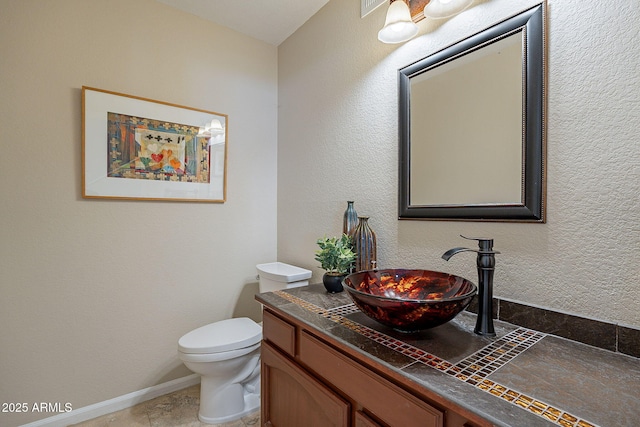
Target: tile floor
(178, 409)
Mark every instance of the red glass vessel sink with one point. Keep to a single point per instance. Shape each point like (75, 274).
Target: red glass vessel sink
(409, 300)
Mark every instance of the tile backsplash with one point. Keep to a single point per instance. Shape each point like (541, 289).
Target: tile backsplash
(605, 335)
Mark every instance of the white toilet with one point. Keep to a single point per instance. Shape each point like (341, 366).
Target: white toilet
(227, 353)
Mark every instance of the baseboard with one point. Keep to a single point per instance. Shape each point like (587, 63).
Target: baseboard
(116, 404)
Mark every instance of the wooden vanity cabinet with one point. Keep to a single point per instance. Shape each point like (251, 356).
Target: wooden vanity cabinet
(308, 381)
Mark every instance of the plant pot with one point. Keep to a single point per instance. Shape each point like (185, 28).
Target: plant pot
(333, 282)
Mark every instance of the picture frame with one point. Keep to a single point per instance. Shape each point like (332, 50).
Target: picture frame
(141, 149)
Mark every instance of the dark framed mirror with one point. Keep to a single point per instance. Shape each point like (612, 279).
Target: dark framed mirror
(472, 127)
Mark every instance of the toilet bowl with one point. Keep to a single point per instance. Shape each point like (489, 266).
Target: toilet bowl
(226, 354)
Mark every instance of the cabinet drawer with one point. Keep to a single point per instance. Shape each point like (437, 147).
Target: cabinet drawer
(384, 400)
(279, 332)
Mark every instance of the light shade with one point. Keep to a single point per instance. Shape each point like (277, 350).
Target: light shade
(211, 129)
(445, 8)
(398, 26)
(215, 127)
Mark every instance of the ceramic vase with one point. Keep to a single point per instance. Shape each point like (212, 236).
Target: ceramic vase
(350, 221)
(364, 242)
(333, 282)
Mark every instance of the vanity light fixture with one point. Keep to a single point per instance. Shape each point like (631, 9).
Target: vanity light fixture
(212, 128)
(215, 127)
(398, 26)
(213, 131)
(437, 9)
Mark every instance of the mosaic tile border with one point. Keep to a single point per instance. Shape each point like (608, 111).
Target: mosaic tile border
(472, 370)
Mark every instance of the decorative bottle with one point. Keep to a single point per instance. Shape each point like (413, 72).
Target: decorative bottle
(350, 220)
(364, 241)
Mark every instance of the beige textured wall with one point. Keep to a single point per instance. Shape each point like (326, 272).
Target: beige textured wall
(94, 294)
(338, 141)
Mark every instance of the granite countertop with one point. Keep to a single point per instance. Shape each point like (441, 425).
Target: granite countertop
(520, 378)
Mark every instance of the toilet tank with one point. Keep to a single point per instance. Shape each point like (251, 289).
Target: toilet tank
(274, 276)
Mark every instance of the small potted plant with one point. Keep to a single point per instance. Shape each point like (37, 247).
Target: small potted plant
(336, 257)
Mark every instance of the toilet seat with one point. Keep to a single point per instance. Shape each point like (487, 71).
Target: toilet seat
(222, 337)
(217, 357)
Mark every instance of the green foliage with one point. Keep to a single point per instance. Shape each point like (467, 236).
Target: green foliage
(336, 255)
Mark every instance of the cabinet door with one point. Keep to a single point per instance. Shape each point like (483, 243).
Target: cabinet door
(292, 398)
(362, 420)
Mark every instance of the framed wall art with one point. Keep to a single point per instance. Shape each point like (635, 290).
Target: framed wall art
(141, 149)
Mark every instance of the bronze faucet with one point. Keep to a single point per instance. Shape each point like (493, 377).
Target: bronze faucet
(486, 262)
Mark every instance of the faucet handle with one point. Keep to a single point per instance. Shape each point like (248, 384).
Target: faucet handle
(485, 244)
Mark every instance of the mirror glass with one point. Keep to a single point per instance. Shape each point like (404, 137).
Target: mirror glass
(471, 127)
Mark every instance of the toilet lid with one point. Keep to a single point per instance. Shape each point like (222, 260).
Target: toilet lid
(225, 335)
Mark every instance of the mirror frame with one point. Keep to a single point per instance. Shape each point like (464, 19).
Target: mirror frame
(533, 206)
